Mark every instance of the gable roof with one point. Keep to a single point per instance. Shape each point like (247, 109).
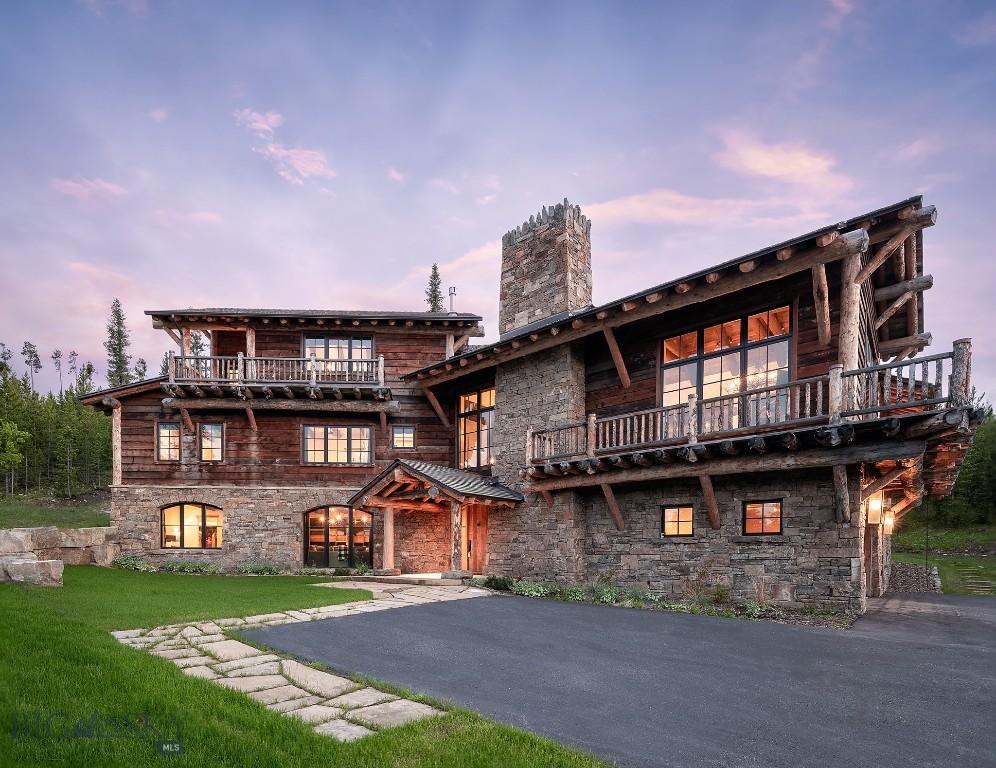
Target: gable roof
(456, 481)
(123, 390)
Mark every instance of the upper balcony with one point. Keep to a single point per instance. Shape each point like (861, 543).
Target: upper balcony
(246, 377)
(932, 391)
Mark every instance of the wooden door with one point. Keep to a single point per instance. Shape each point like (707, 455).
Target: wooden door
(477, 538)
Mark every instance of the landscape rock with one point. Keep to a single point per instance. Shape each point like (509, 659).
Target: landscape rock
(46, 573)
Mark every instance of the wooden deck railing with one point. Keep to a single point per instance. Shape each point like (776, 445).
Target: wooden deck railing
(919, 384)
(248, 371)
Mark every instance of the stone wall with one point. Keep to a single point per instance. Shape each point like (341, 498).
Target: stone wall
(814, 562)
(37, 555)
(258, 523)
(532, 539)
(421, 541)
(545, 267)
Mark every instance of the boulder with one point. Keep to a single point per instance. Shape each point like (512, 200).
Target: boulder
(73, 555)
(16, 540)
(104, 554)
(47, 537)
(46, 573)
(84, 537)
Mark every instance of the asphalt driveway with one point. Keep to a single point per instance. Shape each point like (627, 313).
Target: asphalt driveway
(912, 683)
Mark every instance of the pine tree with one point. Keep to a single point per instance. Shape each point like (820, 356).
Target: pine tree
(164, 366)
(434, 293)
(197, 347)
(5, 355)
(141, 368)
(117, 344)
(84, 379)
(31, 359)
(57, 362)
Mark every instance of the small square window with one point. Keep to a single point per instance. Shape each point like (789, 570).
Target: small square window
(677, 521)
(762, 518)
(403, 437)
(168, 441)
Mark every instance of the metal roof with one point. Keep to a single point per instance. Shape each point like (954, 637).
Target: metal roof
(454, 480)
(344, 313)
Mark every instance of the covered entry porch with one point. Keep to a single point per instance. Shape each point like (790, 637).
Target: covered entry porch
(433, 518)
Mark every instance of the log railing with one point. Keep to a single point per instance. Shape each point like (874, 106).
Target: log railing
(248, 371)
(919, 384)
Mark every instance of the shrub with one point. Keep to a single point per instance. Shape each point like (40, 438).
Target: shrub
(498, 583)
(133, 563)
(309, 571)
(259, 568)
(702, 588)
(362, 569)
(531, 588)
(606, 594)
(342, 572)
(575, 594)
(753, 609)
(638, 599)
(190, 566)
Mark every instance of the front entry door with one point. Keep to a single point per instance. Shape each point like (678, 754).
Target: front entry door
(477, 538)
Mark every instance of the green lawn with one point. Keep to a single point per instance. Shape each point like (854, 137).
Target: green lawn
(948, 567)
(58, 664)
(28, 512)
(968, 538)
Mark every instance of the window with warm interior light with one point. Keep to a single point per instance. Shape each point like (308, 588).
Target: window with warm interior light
(168, 441)
(403, 437)
(724, 359)
(212, 437)
(476, 412)
(191, 526)
(677, 521)
(338, 445)
(762, 517)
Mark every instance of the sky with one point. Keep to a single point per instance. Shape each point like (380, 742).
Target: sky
(324, 155)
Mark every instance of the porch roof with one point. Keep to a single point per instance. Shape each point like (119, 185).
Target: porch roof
(452, 482)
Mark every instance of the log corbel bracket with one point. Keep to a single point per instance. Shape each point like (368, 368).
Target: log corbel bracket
(252, 419)
(185, 415)
(842, 500)
(610, 501)
(617, 358)
(709, 496)
(434, 402)
(548, 498)
(876, 485)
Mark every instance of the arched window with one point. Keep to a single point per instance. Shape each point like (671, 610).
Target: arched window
(191, 526)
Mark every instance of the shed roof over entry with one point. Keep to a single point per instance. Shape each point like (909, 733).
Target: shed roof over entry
(418, 483)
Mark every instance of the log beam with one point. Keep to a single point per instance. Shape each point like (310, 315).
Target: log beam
(889, 450)
(232, 404)
(883, 253)
(879, 483)
(434, 402)
(887, 292)
(709, 496)
(610, 501)
(821, 300)
(890, 310)
(894, 346)
(252, 419)
(617, 358)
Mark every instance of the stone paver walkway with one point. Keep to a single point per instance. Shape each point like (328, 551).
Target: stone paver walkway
(336, 706)
(975, 584)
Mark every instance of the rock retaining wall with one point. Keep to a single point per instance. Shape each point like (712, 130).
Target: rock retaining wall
(37, 555)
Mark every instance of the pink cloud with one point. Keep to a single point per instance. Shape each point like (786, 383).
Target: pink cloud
(133, 7)
(395, 175)
(839, 9)
(88, 189)
(298, 165)
(260, 123)
(793, 164)
(658, 206)
(158, 115)
(980, 32)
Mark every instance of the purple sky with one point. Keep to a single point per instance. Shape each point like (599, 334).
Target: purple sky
(323, 156)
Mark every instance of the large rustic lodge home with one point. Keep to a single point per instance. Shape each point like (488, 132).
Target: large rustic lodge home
(764, 423)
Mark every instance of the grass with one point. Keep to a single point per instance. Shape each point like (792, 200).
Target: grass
(59, 665)
(949, 566)
(33, 512)
(964, 539)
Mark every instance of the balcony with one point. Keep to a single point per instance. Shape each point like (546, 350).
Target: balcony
(822, 411)
(247, 377)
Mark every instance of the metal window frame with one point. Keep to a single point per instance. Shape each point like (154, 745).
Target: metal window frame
(665, 507)
(181, 505)
(325, 445)
(476, 412)
(762, 532)
(200, 441)
(179, 446)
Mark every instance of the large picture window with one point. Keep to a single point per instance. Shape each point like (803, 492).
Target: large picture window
(338, 445)
(191, 526)
(720, 361)
(476, 412)
(168, 441)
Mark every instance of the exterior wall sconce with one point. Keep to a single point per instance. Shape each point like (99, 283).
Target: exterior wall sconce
(888, 521)
(873, 508)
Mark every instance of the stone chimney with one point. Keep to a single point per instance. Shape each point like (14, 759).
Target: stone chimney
(545, 267)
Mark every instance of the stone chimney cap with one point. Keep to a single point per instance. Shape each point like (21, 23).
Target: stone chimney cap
(565, 211)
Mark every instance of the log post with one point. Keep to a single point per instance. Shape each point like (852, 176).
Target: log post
(836, 392)
(455, 554)
(692, 426)
(590, 434)
(380, 370)
(709, 495)
(115, 405)
(240, 370)
(185, 342)
(251, 342)
(313, 372)
(388, 547)
(821, 300)
(961, 374)
(842, 501)
(450, 345)
(529, 446)
(170, 367)
(850, 313)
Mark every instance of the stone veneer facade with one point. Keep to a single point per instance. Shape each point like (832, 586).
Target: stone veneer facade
(258, 523)
(421, 541)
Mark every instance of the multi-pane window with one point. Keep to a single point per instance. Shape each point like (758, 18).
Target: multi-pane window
(191, 526)
(212, 437)
(677, 521)
(403, 437)
(168, 441)
(476, 413)
(762, 517)
(338, 445)
(720, 361)
(335, 354)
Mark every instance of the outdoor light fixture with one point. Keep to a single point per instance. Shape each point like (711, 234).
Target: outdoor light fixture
(888, 521)
(873, 507)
